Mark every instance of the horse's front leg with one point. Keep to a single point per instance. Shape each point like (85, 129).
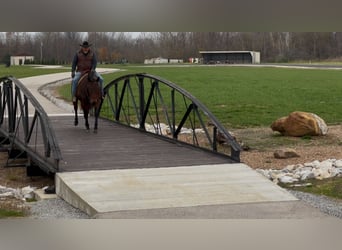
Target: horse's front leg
(76, 116)
(97, 113)
(85, 114)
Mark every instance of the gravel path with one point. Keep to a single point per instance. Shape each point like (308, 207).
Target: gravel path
(59, 209)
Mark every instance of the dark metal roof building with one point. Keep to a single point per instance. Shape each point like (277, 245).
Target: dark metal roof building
(230, 57)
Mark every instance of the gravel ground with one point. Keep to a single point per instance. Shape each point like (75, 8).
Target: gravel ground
(59, 209)
(324, 204)
(55, 209)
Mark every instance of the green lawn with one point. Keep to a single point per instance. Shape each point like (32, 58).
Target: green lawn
(331, 187)
(4, 213)
(239, 96)
(27, 71)
(256, 96)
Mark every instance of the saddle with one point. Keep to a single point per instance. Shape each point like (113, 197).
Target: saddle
(91, 74)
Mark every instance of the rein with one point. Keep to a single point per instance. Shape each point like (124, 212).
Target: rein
(82, 77)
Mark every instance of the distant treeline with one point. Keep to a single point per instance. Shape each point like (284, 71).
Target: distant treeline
(122, 47)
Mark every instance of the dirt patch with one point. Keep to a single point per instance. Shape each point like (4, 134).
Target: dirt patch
(262, 143)
(15, 177)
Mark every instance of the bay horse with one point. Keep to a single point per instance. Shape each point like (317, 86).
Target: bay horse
(88, 92)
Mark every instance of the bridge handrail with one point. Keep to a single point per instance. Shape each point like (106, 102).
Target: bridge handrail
(142, 107)
(17, 105)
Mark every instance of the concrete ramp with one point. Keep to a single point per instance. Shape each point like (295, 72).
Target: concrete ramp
(113, 191)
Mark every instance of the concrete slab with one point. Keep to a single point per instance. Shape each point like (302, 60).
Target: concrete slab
(104, 192)
(39, 194)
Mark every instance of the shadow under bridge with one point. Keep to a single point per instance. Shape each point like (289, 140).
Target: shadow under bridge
(158, 106)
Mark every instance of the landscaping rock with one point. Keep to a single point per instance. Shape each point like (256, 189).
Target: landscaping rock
(300, 123)
(285, 154)
(311, 170)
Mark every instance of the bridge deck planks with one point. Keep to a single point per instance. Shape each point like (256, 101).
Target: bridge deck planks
(119, 147)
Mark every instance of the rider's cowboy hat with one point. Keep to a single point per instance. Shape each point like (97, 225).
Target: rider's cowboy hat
(85, 44)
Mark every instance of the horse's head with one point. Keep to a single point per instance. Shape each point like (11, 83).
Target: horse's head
(88, 91)
(94, 95)
(92, 76)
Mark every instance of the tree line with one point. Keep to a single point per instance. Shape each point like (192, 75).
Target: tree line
(121, 47)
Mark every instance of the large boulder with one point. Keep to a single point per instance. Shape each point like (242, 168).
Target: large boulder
(299, 124)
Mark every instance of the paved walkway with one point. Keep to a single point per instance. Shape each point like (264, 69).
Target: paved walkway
(35, 82)
(203, 191)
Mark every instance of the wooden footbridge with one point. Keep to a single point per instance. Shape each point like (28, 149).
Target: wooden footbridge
(147, 122)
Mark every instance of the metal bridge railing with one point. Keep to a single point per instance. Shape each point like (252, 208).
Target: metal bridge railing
(25, 126)
(161, 107)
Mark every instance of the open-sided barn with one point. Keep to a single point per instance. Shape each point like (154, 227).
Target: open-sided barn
(230, 57)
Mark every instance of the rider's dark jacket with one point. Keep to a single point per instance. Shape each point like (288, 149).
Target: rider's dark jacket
(84, 62)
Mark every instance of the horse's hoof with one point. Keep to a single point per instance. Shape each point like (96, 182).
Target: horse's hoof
(95, 131)
(75, 123)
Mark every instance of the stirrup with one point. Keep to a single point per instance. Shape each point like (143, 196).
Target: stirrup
(74, 99)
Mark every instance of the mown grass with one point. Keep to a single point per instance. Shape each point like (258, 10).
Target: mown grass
(239, 96)
(331, 187)
(27, 71)
(255, 96)
(4, 213)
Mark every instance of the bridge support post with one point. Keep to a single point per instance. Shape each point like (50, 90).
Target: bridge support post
(32, 169)
(141, 103)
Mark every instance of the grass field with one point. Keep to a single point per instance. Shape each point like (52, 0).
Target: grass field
(256, 96)
(239, 96)
(27, 71)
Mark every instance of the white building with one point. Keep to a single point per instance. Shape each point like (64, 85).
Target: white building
(21, 59)
(160, 60)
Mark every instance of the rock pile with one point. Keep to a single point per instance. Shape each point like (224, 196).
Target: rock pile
(24, 193)
(301, 172)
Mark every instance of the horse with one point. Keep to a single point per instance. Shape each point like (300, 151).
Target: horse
(88, 92)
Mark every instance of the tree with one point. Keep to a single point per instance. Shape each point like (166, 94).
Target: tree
(103, 55)
(60, 47)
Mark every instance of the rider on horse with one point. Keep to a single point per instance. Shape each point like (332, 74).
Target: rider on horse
(84, 61)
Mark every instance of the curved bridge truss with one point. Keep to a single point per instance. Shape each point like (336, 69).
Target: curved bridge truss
(25, 127)
(158, 106)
